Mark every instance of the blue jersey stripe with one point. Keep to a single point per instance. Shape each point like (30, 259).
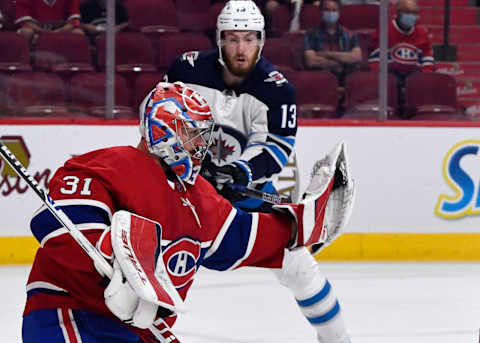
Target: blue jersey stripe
(44, 222)
(286, 148)
(234, 244)
(45, 291)
(288, 140)
(282, 156)
(274, 150)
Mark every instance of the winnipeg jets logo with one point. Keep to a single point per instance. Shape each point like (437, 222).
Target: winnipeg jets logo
(276, 77)
(190, 57)
(220, 149)
(50, 2)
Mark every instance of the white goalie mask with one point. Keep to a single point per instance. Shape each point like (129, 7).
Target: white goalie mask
(177, 125)
(240, 15)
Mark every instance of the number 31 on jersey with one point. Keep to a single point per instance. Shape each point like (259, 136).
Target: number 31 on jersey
(72, 184)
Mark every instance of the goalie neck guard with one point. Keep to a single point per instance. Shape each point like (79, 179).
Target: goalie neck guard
(177, 125)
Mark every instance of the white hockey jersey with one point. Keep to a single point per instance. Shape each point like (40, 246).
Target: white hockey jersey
(256, 122)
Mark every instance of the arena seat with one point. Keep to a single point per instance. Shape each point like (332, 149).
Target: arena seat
(144, 83)
(3, 94)
(281, 19)
(432, 116)
(310, 16)
(133, 52)
(295, 40)
(278, 51)
(431, 95)
(36, 94)
(62, 52)
(317, 95)
(213, 13)
(360, 17)
(193, 21)
(361, 96)
(152, 15)
(192, 6)
(87, 91)
(167, 48)
(15, 54)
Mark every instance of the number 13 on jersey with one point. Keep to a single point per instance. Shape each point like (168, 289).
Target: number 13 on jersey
(289, 116)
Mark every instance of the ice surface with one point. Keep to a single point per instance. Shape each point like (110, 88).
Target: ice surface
(381, 302)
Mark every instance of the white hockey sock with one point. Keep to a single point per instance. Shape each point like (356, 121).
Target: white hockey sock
(317, 301)
(321, 308)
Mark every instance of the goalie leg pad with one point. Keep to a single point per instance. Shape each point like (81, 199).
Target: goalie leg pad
(136, 243)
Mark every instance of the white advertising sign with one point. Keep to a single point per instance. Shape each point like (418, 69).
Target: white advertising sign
(43, 149)
(409, 179)
(402, 172)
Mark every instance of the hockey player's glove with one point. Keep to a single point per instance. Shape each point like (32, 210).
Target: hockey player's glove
(238, 173)
(140, 291)
(326, 205)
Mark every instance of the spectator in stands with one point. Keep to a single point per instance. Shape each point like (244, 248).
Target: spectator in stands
(409, 46)
(330, 46)
(94, 16)
(36, 16)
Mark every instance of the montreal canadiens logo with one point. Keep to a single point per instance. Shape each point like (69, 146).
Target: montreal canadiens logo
(405, 53)
(181, 258)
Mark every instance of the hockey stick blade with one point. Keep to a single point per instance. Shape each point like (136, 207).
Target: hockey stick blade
(267, 197)
(63, 219)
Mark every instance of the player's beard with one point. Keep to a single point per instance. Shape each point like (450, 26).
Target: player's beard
(240, 71)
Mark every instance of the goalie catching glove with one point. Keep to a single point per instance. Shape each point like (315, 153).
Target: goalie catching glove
(140, 291)
(326, 205)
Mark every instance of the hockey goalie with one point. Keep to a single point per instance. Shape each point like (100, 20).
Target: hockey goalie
(157, 222)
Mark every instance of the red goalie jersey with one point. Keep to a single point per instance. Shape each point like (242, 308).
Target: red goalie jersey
(199, 228)
(407, 51)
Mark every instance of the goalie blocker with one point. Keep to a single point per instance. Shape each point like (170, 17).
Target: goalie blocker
(140, 291)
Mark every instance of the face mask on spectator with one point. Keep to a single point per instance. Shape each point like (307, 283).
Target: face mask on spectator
(330, 17)
(408, 20)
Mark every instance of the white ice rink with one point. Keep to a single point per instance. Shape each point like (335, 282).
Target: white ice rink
(382, 302)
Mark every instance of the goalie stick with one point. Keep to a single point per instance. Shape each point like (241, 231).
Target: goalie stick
(267, 197)
(63, 219)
